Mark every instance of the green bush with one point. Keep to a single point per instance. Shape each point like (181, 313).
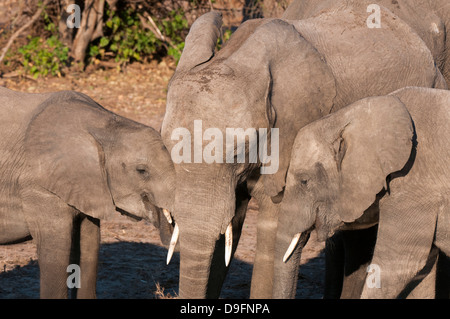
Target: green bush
(44, 56)
(41, 57)
(127, 40)
(173, 29)
(124, 38)
(128, 36)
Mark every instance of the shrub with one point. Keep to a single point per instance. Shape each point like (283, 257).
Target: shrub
(41, 57)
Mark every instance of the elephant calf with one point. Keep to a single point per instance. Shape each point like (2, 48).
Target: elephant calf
(391, 151)
(66, 162)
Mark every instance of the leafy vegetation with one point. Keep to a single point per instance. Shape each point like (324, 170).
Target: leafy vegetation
(127, 39)
(129, 31)
(44, 56)
(124, 38)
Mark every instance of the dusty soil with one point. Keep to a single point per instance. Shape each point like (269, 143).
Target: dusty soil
(132, 258)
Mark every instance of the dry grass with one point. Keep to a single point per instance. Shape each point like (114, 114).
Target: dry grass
(160, 294)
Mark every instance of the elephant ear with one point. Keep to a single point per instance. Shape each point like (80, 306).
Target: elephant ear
(276, 56)
(65, 159)
(201, 41)
(374, 140)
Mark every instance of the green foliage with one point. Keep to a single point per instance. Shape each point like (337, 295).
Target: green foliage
(125, 38)
(173, 29)
(128, 36)
(225, 37)
(44, 56)
(128, 40)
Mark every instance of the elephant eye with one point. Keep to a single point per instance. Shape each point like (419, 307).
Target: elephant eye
(142, 170)
(303, 180)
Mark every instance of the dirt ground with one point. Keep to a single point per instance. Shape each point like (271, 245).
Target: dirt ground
(132, 258)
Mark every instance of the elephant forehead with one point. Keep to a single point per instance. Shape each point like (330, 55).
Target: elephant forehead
(223, 109)
(209, 93)
(307, 149)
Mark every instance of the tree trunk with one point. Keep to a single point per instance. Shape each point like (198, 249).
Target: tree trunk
(65, 33)
(91, 28)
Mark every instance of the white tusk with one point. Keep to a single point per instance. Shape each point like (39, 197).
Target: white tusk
(173, 243)
(228, 244)
(168, 216)
(291, 247)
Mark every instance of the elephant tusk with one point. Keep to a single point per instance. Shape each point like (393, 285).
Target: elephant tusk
(173, 243)
(291, 247)
(228, 244)
(167, 215)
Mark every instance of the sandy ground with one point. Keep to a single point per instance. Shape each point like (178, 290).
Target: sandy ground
(132, 258)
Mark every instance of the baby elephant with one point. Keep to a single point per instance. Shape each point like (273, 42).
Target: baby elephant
(66, 162)
(388, 151)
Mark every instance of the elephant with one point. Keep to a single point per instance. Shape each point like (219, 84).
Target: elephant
(272, 77)
(66, 164)
(388, 152)
(429, 19)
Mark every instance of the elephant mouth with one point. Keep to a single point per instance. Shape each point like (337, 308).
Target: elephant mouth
(128, 214)
(327, 221)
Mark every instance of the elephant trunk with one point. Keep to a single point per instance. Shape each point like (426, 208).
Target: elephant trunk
(288, 247)
(196, 252)
(204, 211)
(286, 270)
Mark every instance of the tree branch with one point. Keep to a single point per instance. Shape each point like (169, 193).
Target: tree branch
(23, 28)
(155, 30)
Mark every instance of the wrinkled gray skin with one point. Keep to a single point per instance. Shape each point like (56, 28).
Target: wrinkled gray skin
(66, 164)
(430, 19)
(375, 152)
(270, 74)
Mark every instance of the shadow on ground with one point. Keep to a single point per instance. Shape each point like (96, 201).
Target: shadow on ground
(130, 270)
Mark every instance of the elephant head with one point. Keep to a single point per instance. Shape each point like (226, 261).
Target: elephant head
(211, 97)
(339, 165)
(97, 161)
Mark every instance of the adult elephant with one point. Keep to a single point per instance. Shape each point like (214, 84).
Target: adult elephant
(429, 19)
(379, 151)
(66, 164)
(271, 74)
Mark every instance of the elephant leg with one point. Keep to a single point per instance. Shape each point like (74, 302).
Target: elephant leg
(423, 286)
(51, 223)
(404, 242)
(263, 267)
(334, 266)
(443, 277)
(89, 249)
(358, 246)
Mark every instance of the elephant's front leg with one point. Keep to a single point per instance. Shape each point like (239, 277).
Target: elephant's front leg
(404, 243)
(263, 267)
(89, 249)
(51, 225)
(358, 250)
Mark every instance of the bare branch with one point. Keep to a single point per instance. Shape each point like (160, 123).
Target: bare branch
(23, 28)
(155, 30)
